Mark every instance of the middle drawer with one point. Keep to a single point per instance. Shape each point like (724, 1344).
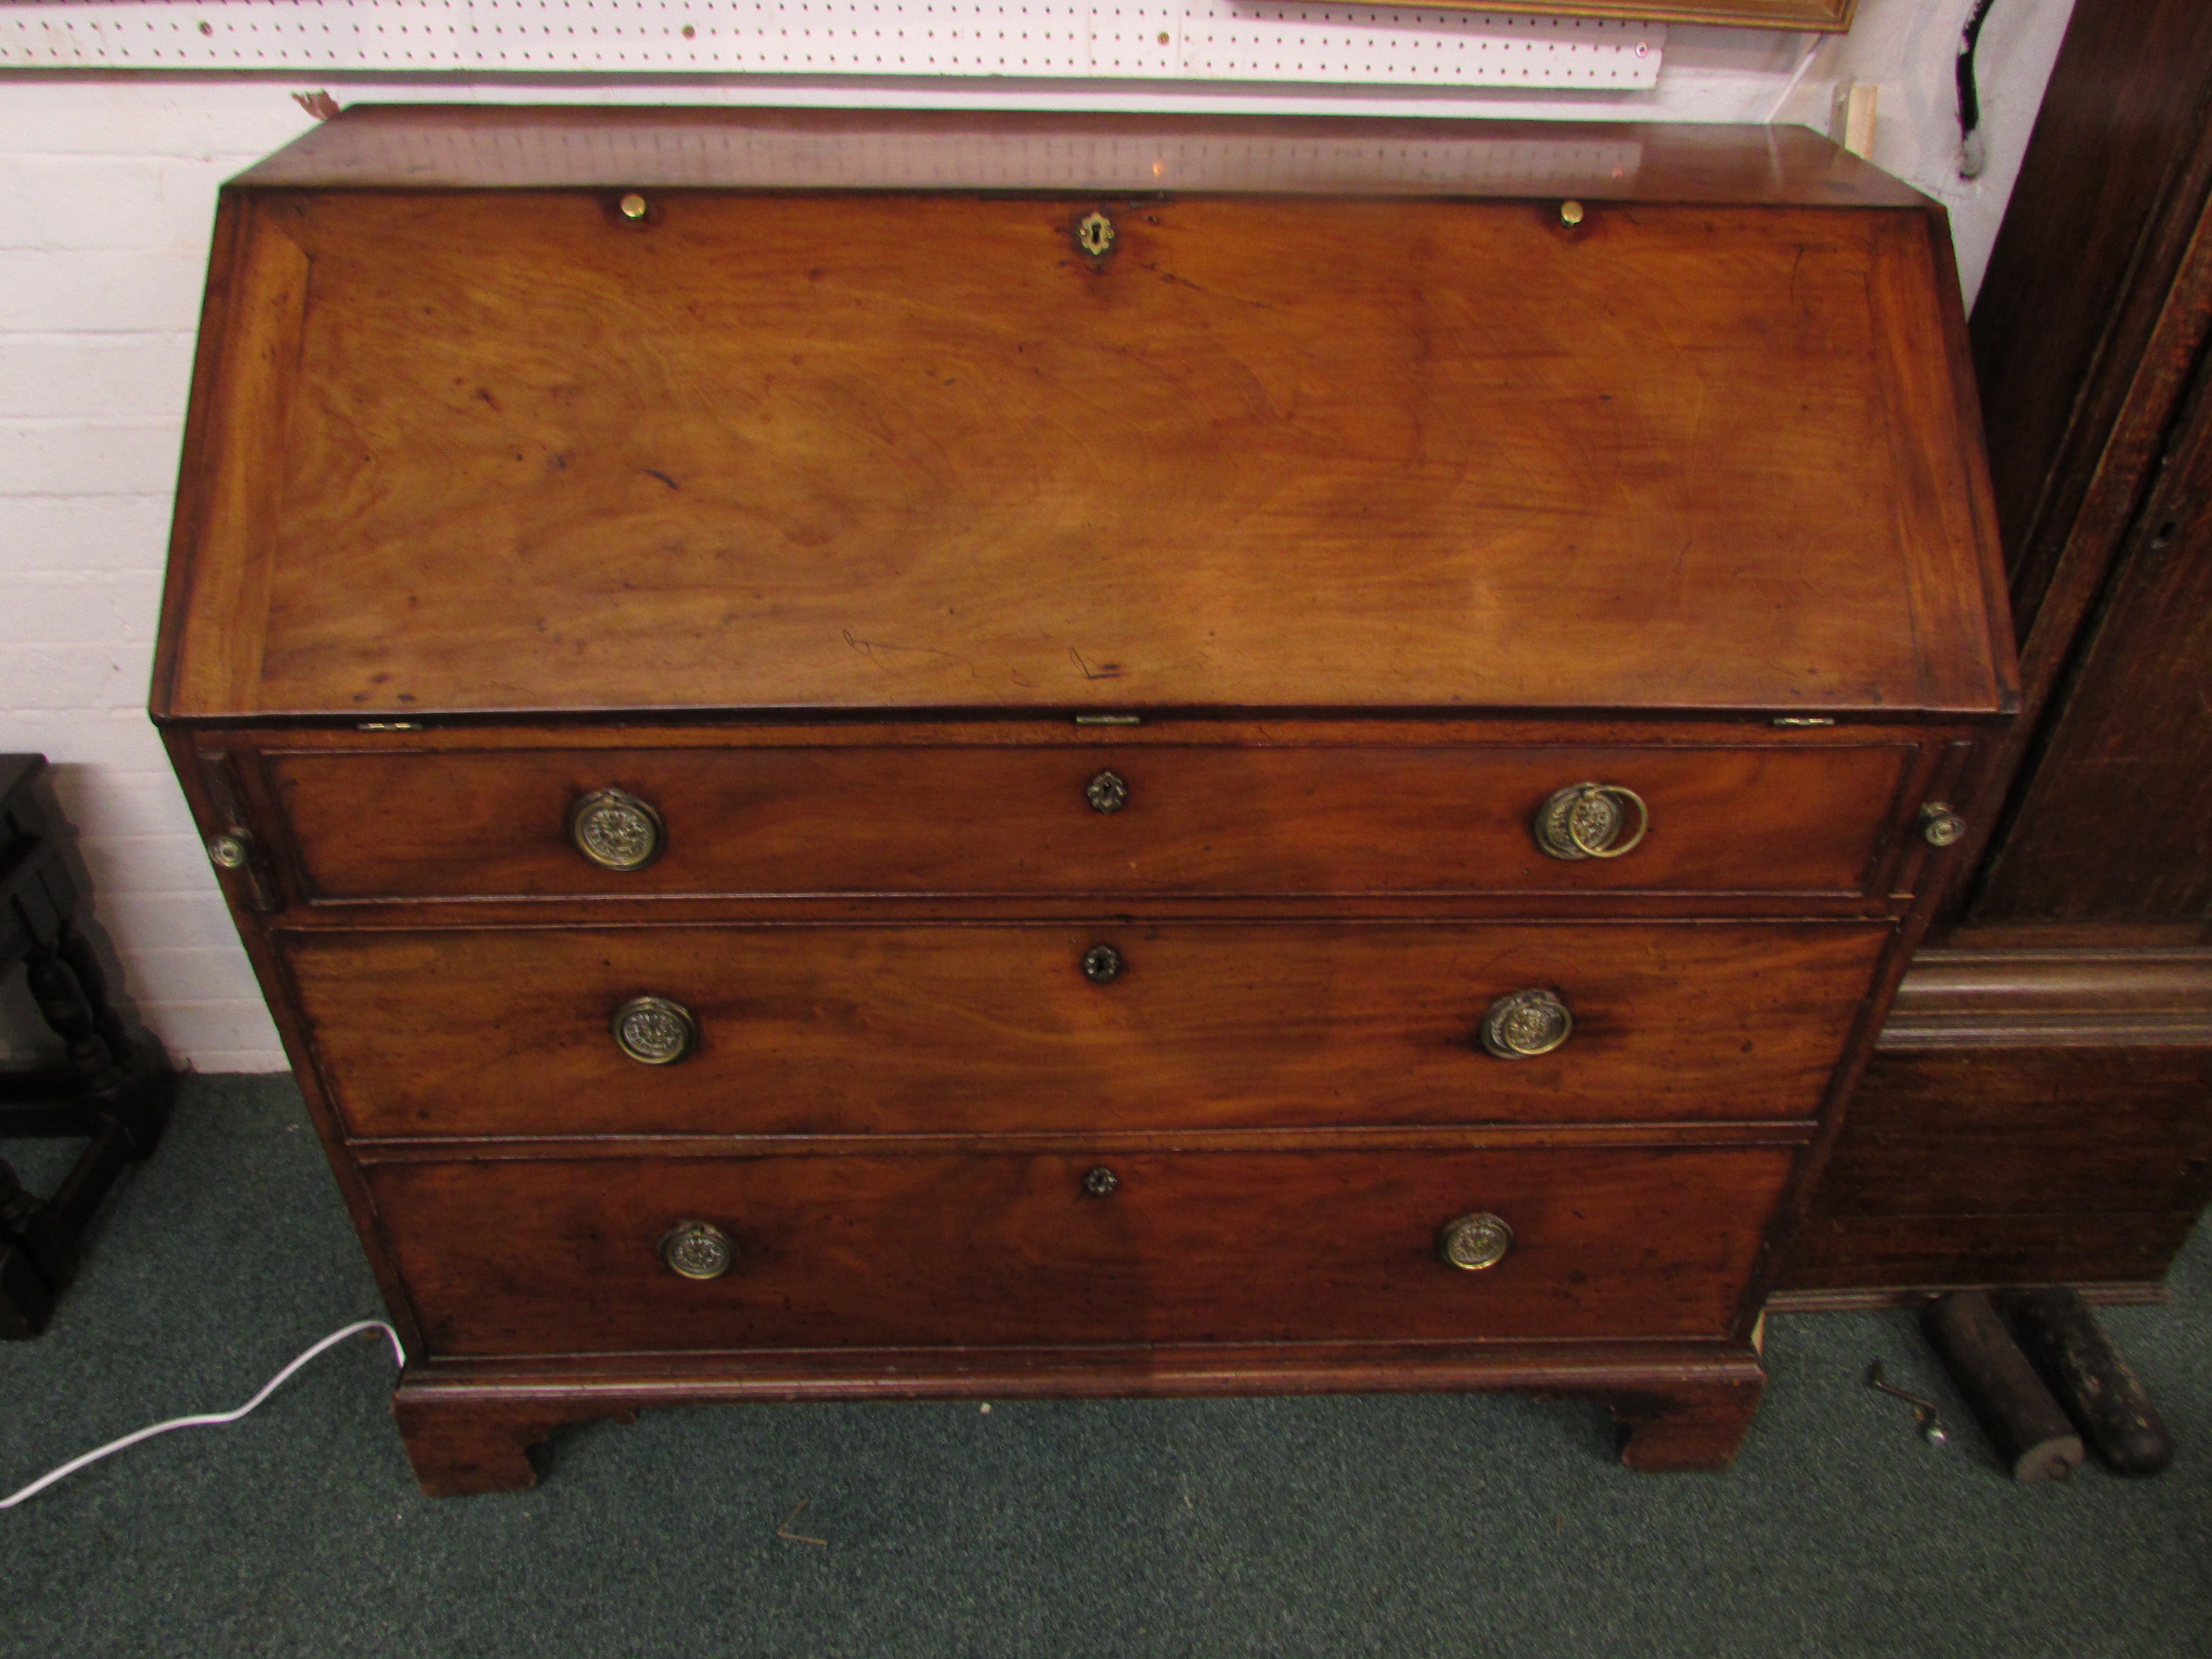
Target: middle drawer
(993, 1028)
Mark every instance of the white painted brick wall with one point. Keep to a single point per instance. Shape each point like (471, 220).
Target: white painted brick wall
(106, 196)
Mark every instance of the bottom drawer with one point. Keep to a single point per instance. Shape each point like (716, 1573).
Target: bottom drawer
(530, 1256)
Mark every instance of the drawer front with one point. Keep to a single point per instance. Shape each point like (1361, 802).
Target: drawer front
(986, 1028)
(1195, 820)
(525, 1257)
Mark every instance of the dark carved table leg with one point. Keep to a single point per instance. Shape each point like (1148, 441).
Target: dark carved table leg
(115, 1091)
(1692, 1427)
(460, 1448)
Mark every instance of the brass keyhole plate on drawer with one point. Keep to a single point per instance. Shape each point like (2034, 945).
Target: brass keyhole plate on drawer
(1094, 235)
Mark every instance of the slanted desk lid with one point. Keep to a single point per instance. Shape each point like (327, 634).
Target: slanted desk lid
(775, 445)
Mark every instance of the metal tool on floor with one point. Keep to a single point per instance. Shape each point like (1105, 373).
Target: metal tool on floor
(1924, 1411)
(2093, 1381)
(2024, 1423)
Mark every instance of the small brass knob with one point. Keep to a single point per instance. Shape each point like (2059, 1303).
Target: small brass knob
(1570, 213)
(698, 1250)
(1526, 1023)
(617, 830)
(1106, 793)
(1590, 820)
(1100, 1182)
(654, 1031)
(1475, 1241)
(633, 206)
(1094, 235)
(227, 852)
(1101, 964)
(1940, 825)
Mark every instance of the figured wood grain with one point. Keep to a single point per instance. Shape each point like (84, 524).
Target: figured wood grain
(802, 819)
(883, 451)
(986, 1028)
(222, 550)
(1201, 1248)
(2026, 1130)
(1938, 1252)
(2116, 822)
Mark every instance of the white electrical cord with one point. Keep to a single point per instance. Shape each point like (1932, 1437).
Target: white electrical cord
(209, 1419)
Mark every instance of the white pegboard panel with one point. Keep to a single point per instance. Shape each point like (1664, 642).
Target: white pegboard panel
(1092, 39)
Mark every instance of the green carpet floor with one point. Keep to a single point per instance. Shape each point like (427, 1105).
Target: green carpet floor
(1401, 1526)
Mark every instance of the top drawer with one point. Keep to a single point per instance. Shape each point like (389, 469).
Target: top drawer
(1153, 818)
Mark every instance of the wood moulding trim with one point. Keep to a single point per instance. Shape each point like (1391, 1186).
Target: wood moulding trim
(2070, 997)
(2119, 1294)
(1377, 1138)
(1164, 1371)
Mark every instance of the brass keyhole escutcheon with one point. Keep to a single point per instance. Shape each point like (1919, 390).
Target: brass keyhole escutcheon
(1101, 964)
(1094, 235)
(1106, 793)
(1100, 1182)
(1475, 1242)
(698, 1250)
(617, 830)
(655, 1032)
(1940, 826)
(1591, 821)
(1525, 1024)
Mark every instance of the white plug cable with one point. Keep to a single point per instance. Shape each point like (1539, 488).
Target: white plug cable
(209, 1419)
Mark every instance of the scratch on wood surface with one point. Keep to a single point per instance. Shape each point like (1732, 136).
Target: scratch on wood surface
(869, 647)
(655, 472)
(785, 1531)
(1105, 670)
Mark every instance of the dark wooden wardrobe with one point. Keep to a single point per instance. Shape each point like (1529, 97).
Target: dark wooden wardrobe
(2039, 1109)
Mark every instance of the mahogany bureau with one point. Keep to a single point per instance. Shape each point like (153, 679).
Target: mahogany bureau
(877, 755)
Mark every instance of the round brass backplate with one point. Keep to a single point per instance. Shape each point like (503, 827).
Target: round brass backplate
(1101, 964)
(1591, 821)
(227, 852)
(1940, 826)
(1475, 1242)
(654, 1031)
(617, 830)
(1526, 1023)
(1106, 793)
(698, 1250)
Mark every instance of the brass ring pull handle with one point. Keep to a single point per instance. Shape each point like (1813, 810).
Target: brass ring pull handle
(1106, 793)
(1526, 1023)
(698, 1250)
(617, 830)
(654, 1031)
(1475, 1242)
(1591, 821)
